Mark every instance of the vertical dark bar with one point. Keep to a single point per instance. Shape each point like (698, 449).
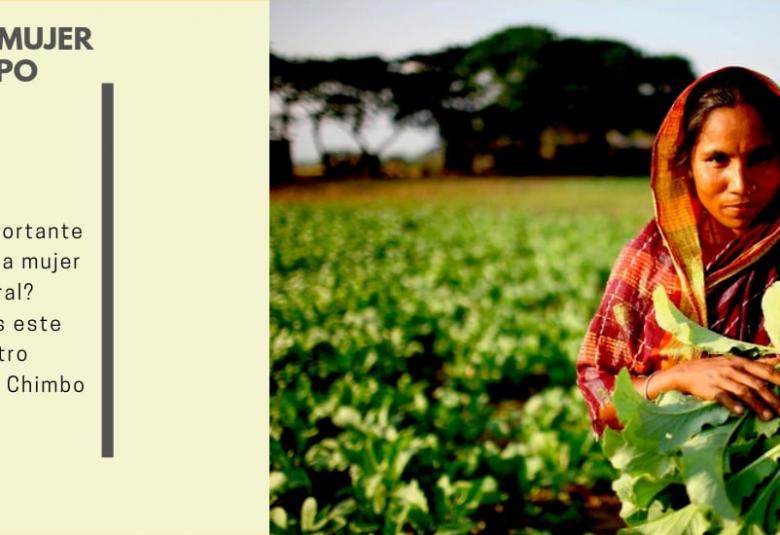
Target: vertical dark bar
(107, 290)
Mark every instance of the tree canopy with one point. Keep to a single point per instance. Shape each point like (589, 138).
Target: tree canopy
(497, 96)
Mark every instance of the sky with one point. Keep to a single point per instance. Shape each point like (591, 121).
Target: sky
(710, 33)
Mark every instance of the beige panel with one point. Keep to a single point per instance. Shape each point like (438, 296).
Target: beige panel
(191, 271)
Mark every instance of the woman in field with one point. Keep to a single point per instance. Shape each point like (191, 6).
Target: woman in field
(714, 245)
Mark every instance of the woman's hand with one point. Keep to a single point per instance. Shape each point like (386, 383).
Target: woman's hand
(734, 382)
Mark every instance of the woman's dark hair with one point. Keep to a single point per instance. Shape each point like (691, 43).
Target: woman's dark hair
(727, 88)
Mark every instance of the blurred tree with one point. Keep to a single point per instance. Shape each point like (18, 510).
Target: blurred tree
(497, 72)
(286, 93)
(429, 89)
(350, 92)
(659, 81)
(474, 94)
(587, 87)
(596, 85)
(497, 97)
(284, 88)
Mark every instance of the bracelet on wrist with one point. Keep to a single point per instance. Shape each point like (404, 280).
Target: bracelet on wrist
(645, 393)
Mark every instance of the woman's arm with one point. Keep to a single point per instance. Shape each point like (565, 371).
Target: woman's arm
(734, 382)
(661, 382)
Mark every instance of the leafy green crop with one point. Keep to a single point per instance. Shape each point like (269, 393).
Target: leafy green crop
(422, 369)
(687, 465)
(670, 319)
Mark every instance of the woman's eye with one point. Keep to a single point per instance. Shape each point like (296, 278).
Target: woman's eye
(718, 159)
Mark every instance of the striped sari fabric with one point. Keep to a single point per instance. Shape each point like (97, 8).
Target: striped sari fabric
(722, 291)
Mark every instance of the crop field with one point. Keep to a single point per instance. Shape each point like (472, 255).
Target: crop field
(423, 340)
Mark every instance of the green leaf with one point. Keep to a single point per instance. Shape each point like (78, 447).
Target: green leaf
(632, 459)
(379, 499)
(412, 495)
(733, 528)
(637, 492)
(670, 319)
(297, 478)
(655, 511)
(770, 305)
(689, 520)
(327, 455)
(337, 517)
(408, 448)
(664, 426)
(308, 512)
(767, 500)
(279, 517)
(624, 488)
(703, 458)
(611, 441)
(275, 481)
(744, 483)
(363, 526)
(461, 527)
(768, 429)
(347, 417)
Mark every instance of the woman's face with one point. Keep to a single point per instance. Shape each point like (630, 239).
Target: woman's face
(735, 166)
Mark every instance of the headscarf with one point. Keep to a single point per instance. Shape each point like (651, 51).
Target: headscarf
(676, 210)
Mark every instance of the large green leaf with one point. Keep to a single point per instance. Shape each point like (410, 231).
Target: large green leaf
(760, 427)
(279, 517)
(690, 520)
(744, 483)
(770, 305)
(670, 319)
(276, 481)
(662, 427)
(308, 513)
(702, 469)
(633, 459)
(411, 494)
(637, 492)
(767, 501)
(683, 439)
